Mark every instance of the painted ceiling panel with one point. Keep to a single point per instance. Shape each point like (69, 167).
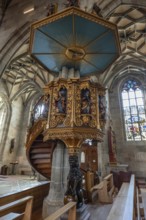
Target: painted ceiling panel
(49, 61)
(87, 31)
(70, 38)
(101, 61)
(86, 68)
(103, 44)
(61, 30)
(45, 44)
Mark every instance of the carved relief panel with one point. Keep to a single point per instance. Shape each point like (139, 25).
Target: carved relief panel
(74, 103)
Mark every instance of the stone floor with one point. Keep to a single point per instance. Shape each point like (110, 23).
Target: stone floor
(99, 211)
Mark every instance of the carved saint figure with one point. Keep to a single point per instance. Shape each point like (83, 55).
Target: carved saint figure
(71, 3)
(52, 8)
(74, 185)
(60, 100)
(102, 107)
(85, 101)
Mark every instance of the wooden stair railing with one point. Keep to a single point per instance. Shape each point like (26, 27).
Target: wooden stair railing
(7, 211)
(69, 207)
(39, 153)
(34, 132)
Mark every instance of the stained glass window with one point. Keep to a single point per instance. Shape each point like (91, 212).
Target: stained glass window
(40, 109)
(134, 111)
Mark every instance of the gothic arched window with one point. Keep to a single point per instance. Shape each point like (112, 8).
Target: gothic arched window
(134, 111)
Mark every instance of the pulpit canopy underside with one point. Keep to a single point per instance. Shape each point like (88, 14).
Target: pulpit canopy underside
(75, 39)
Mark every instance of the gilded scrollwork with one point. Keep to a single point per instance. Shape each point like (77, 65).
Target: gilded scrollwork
(77, 119)
(36, 129)
(78, 133)
(67, 121)
(74, 110)
(93, 121)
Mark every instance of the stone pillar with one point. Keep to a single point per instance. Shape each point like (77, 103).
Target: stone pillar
(55, 198)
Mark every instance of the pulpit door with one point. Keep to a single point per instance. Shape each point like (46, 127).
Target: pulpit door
(89, 158)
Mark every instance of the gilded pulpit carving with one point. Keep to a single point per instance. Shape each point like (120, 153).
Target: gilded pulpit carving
(73, 118)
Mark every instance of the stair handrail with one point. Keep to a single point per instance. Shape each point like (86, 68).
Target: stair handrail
(34, 131)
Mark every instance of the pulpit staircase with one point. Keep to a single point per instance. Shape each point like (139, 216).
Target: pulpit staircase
(39, 153)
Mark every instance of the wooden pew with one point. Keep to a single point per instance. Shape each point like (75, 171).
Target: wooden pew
(69, 207)
(105, 189)
(129, 211)
(126, 204)
(7, 211)
(89, 183)
(140, 208)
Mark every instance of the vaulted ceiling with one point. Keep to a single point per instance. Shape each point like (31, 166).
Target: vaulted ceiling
(25, 77)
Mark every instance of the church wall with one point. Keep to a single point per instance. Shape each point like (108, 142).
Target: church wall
(13, 133)
(103, 157)
(132, 153)
(21, 154)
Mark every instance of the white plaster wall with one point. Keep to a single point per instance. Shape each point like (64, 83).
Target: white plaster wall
(13, 132)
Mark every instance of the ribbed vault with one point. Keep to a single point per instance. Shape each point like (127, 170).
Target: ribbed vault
(25, 77)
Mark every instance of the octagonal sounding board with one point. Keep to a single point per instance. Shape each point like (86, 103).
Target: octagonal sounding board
(75, 39)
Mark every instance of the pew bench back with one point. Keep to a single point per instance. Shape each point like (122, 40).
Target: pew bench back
(125, 203)
(7, 211)
(69, 207)
(105, 189)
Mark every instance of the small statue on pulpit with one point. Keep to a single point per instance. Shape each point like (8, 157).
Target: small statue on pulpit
(96, 10)
(102, 108)
(74, 185)
(71, 3)
(52, 8)
(60, 100)
(85, 101)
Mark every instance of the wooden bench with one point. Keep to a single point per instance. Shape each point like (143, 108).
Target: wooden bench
(105, 189)
(69, 207)
(7, 211)
(126, 204)
(140, 208)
